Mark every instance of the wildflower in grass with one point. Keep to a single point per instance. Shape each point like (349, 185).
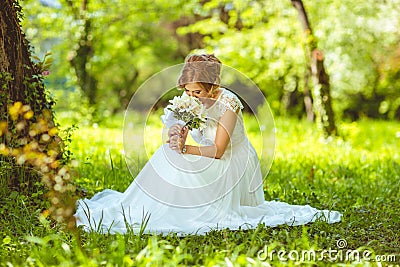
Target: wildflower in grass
(45, 72)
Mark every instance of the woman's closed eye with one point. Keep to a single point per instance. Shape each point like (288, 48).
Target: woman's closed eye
(194, 92)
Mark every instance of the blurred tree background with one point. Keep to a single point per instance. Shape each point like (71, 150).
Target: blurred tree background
(104, 50)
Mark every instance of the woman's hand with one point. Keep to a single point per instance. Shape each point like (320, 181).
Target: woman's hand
(174, 130)
(175, 143)
(177, 137)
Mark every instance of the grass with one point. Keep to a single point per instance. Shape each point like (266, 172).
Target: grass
(357, 174)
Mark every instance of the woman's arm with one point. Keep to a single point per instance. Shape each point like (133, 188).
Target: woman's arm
(226, 124)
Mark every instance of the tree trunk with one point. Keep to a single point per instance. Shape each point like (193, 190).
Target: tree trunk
(20, 81)
(308, 100)
(84, 53)
(321, 83)
(322, 97)
(16, 68)
(30, 148)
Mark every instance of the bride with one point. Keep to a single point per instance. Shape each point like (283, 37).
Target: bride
(189, 189)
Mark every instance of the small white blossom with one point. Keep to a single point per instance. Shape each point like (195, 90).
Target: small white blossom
(185, 110)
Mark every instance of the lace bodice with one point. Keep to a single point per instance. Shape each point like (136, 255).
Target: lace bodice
(226, 100)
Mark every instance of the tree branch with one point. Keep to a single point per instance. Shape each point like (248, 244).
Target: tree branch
(298, 4)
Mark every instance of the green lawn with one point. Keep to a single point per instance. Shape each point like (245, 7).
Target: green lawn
(357, 174)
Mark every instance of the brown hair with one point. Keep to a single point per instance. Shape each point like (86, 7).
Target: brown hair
(203, 69)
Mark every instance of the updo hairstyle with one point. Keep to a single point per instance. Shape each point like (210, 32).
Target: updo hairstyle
(204, 69)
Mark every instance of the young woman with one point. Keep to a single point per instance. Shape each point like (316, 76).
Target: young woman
(190, 189)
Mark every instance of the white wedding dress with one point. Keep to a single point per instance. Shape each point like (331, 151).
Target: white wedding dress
(189, 194)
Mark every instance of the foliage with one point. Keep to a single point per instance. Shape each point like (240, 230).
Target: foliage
(126, 44)
(356, 49)
(362, 182)
(263, 39)
(31, 141)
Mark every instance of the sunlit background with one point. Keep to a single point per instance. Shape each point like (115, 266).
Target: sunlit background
(104, 50)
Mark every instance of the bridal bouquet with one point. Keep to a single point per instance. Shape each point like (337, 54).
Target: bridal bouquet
(185, 110)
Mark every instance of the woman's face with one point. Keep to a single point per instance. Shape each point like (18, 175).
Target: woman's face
(194, 89)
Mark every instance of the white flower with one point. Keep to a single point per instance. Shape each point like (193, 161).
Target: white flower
(186, 110)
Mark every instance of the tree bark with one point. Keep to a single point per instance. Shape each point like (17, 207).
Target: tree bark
(31, 150)
(322, 97)
(16, 68)
(20, 81)
(308, 100)
(84, 53)
(321, 83)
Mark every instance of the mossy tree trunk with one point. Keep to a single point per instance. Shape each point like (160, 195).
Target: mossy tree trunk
(321, 93)
(18, 72)
(20, 81)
